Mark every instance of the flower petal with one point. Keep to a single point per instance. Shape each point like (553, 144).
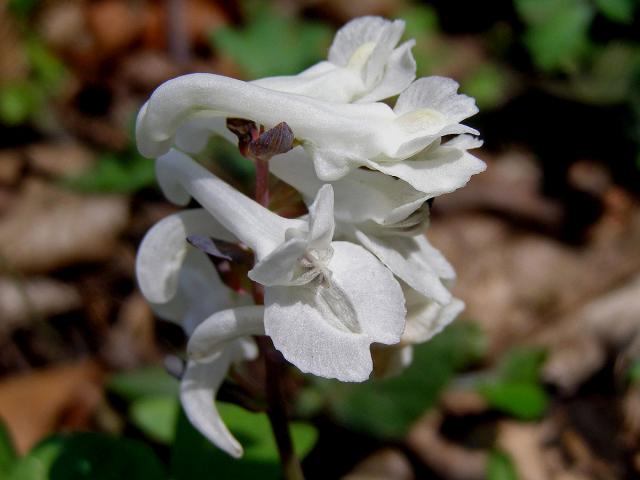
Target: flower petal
(322, 124)
(198, 389)
(301, 327)
(439, 94)
(400, 71)
(435, 172)
(193, 136)
(426, 318)
(321, 222)
(219, 329)
(171, 274)
(182, 178)
(360, 196)
(323, 81)
(408, 258)
(281, 265)
(382, 33)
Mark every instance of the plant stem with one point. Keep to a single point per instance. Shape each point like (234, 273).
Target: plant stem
(276, 410)
(262, 182)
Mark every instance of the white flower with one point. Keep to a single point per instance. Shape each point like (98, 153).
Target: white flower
(363, 65)
(425, 319)
(325, 301)
(388, 216)
(182, 286)
(338, 137)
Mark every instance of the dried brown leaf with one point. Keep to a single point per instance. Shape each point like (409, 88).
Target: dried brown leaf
(382, 465)
(35, 404)
(23, 301)
(51, 228)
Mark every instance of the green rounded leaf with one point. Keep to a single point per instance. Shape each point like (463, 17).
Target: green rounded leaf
(156, 416)
(92, 456)
(500, 467)
(193, 456)
(527, 401)
(148, 381)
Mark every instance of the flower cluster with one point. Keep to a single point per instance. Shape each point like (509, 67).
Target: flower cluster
(357, 269)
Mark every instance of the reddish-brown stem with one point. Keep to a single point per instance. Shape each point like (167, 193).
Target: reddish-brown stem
(276, 410)
(262, 182)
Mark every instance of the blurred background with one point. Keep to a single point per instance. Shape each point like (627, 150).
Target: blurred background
(540, 379)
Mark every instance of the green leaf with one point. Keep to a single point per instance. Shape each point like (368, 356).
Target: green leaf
(271, 44)
(156, 416)
(7, 451)
(193, 456)
(386, 408)
(143, 382)
(23, 8)
(522, 365)
(609, 78)
(620, 11)
(558, 31)
(527, 401)
(116, 174)
(634, 370)
(18, 102)
(488, 84)
(47, 69)
(515, 388)
(89, 456)
(421, 20)
(500, 467)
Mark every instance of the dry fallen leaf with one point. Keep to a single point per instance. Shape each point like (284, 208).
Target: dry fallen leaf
(60, 159)
(34, 404)
(10, 166)
(13, 61)
(384, 464)
(446, 458)
(115, 24)
(23, 301)
(523, 443)
(131, 340)
(49, 228)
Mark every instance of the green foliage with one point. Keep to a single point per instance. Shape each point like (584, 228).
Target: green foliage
(88, 456)
(22, 8)
(18, 102)
(488, 84)
(557, 33)
(386, 408)
(271, 44)
(7, 451)
(522, 365)
(515, 388)
(500, 467)
(526, 401)
(421, 20)
(46, 69)
(156, 416)
(143, 382)
(116, 173)
(634, 372)
(611, 76)
(620, 11)
(193, 456)
(25, 100)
